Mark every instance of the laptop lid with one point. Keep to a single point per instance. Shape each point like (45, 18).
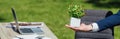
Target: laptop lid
(15, 19)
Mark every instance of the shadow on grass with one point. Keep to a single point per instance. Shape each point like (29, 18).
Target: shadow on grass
(2, 19)
(105, 4)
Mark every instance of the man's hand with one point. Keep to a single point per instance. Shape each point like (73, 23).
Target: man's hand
(83, 27)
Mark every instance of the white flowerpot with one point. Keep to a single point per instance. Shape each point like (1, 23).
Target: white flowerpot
(75, 22)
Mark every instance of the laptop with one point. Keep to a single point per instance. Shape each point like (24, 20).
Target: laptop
(28, 29)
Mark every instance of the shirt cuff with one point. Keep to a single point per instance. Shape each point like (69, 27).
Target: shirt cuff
(95, 27)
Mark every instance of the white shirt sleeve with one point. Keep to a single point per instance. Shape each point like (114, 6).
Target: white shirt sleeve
(95, 27)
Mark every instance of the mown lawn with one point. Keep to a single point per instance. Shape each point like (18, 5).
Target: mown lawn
(52, 12)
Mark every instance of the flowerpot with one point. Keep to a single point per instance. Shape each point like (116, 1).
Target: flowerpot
(75, 22)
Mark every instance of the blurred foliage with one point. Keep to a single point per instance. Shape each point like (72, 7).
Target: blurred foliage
(105, 3)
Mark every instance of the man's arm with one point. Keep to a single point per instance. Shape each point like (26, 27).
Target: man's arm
(100, 25)
(109, 21)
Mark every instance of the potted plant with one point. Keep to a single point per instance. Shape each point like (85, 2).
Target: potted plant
(75, 12)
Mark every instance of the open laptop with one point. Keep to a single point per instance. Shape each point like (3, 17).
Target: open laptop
(26, 29)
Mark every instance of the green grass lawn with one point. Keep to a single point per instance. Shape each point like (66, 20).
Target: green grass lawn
(52, 12)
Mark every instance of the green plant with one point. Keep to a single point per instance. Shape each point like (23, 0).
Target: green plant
(76, 11)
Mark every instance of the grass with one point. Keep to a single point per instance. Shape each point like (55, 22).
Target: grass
(52, 12)
(116, 32)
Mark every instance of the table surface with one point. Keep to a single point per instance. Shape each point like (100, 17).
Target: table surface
(9, 33)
